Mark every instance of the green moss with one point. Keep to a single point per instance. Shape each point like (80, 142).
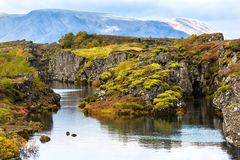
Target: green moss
(39, 85)
(6, 115)
(173, 65)
(147, 56)
(223, 88)
(160, 75)
(167, 99)
(113, 88)
(161, 49)
(152, 67)
(177, 88)
(136, 82)
(148, 84)
(122, 69)
(105, 75)
(103, 51)
(129, 105)
(232, 106)
(14, 65)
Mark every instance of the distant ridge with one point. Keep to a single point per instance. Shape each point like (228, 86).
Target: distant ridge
(49, 25)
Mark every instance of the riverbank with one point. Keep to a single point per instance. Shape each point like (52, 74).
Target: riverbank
(198, 131)
(21, 93)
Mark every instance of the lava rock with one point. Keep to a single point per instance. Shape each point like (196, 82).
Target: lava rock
(67, 133)
(74, 135)
(45, 139)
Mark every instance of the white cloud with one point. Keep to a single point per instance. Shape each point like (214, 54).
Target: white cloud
(109, 30)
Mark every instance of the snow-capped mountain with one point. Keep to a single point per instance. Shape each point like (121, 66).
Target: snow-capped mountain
(190, 26)
(49, 25)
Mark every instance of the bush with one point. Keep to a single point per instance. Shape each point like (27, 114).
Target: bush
(8, 149)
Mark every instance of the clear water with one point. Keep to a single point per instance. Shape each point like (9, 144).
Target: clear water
(196, 136)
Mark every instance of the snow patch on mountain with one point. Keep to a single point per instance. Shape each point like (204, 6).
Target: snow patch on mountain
(190, 26)
(109, 30)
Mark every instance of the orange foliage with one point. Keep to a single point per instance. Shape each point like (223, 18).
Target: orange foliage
(232, 68)
(96, 83)
(104, 109)
(20, 53)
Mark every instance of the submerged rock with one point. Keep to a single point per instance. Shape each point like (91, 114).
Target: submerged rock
(74, 135)
(45, 139)
(67, 133)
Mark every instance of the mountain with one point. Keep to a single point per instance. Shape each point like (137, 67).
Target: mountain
(190, 26)
(45, 26)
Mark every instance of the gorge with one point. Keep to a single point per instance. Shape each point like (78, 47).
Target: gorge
(133, 78)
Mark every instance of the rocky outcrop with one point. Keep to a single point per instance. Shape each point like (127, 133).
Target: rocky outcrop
(227, 100)
(65, 66)
(32, 94)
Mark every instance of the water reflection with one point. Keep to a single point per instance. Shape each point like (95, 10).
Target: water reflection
(194, 136)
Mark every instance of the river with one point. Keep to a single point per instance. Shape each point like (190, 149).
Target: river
(197, 135)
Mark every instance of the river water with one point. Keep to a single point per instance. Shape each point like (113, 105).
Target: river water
(197, 135)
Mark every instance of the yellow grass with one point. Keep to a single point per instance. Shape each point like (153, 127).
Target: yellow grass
(103, 52)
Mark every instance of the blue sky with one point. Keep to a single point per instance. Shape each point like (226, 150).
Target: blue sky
(220, 15)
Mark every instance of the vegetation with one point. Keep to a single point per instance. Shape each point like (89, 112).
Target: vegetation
(173, 65)
(105, 75)
(6, 115)
(103, 51)
(223, 88)
(9, 148)
(14, 63)
(167, 99)
(84, 40)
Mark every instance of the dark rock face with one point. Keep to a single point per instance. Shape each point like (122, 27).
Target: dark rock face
(228, 101)
(65, 66)
(35, 99)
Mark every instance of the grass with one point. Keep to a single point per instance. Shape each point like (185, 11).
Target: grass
(15, 63)
(102, 52)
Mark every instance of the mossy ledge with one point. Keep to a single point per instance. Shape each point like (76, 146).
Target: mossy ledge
(22, 92)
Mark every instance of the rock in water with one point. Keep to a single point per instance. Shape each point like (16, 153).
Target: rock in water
(74, 135)
(67, 133)
(45, 139)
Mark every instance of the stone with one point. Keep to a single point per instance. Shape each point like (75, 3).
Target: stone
(45, 139)
(74, 135)
(67, 133)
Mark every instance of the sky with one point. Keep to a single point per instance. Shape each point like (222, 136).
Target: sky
(221, 15)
